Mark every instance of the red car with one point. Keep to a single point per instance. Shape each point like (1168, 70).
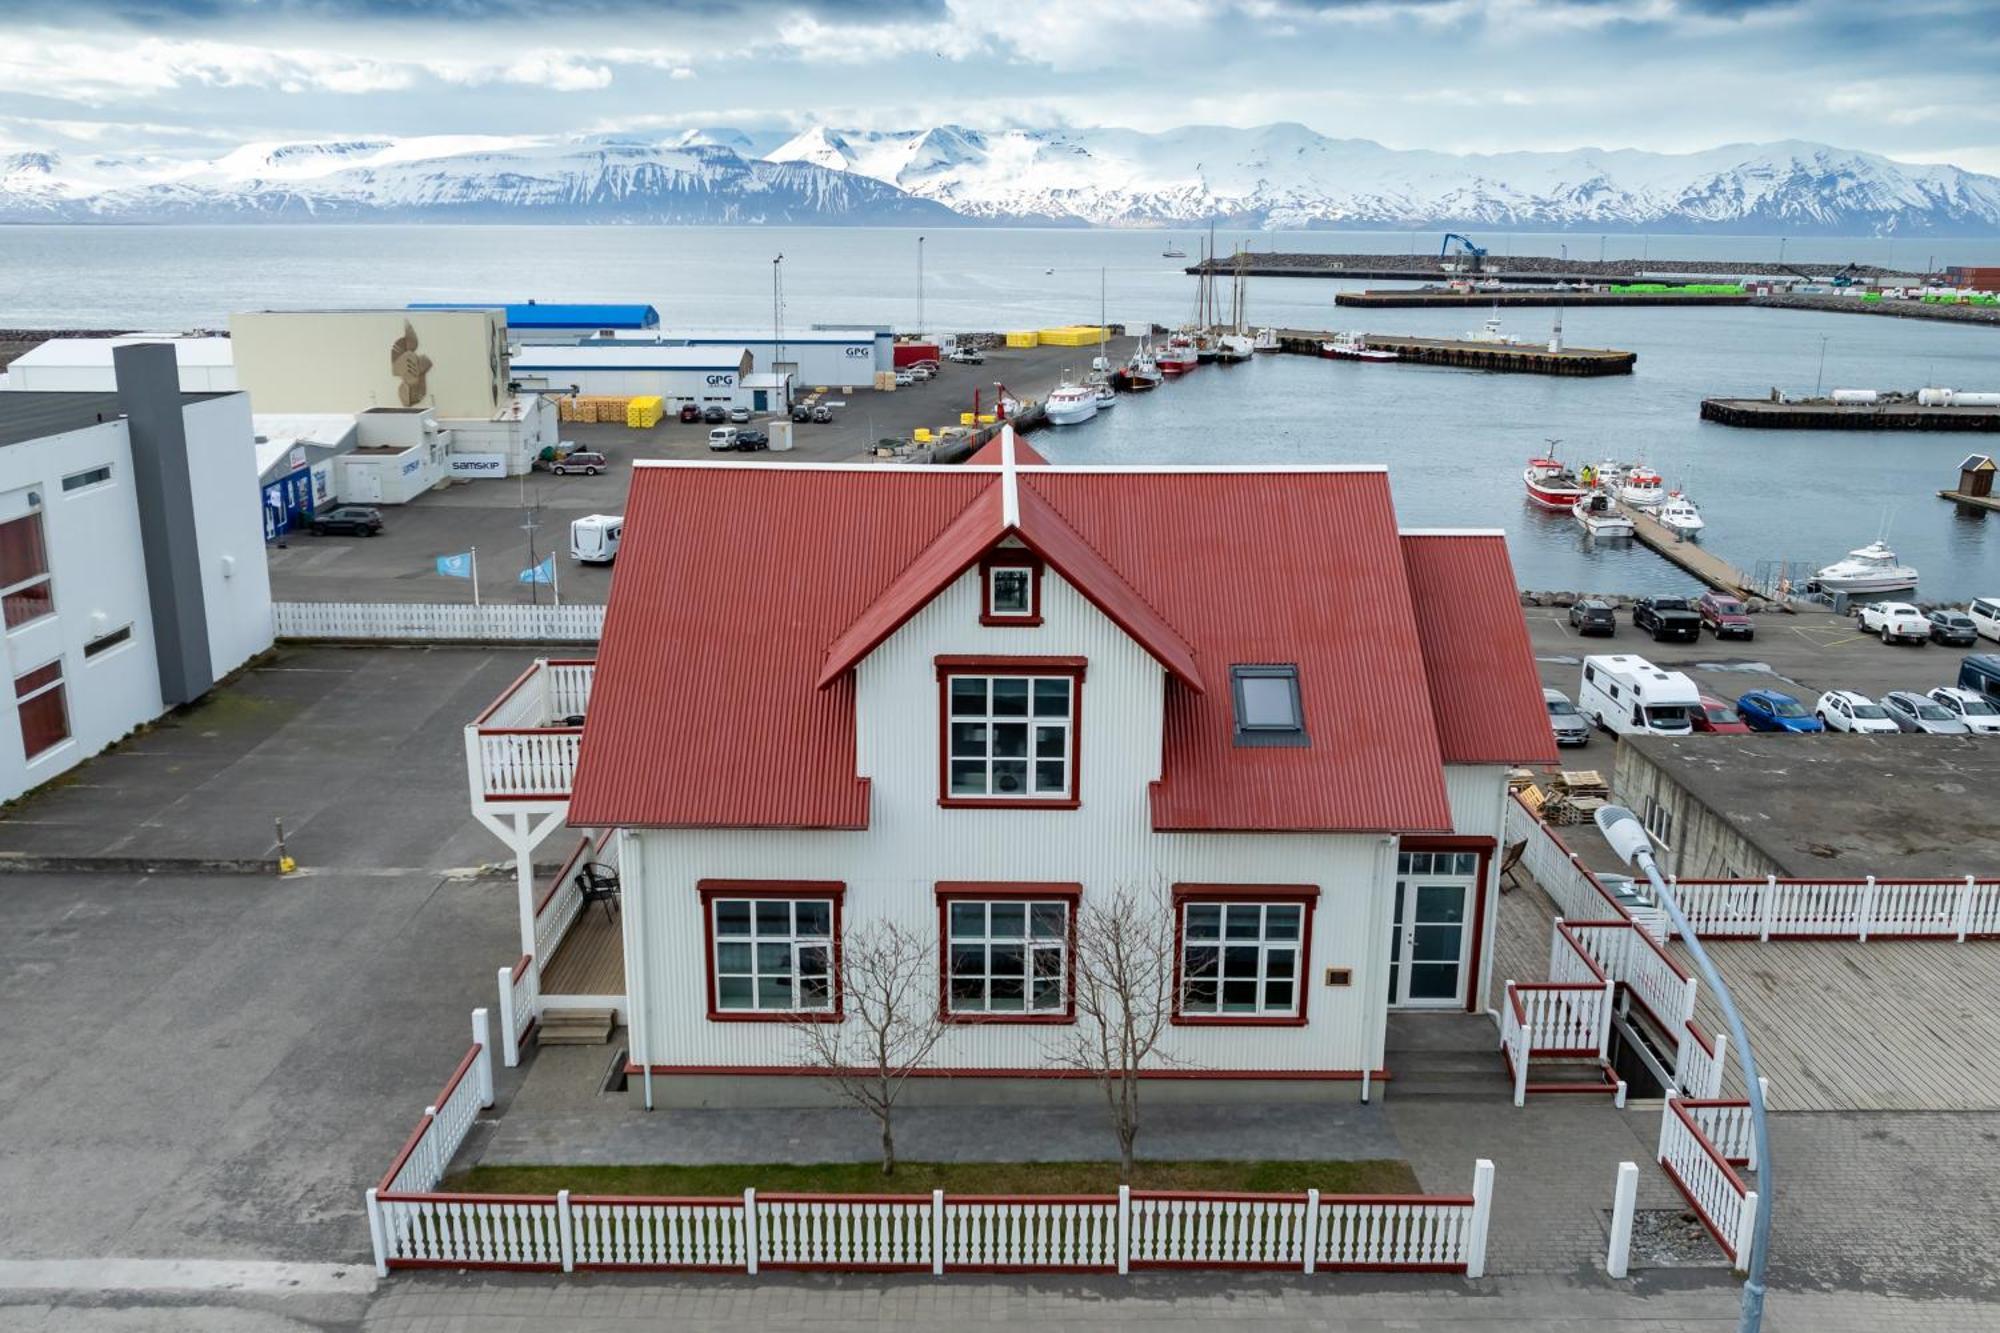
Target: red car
(1719, 717)
(1725, 616)
(690, 412)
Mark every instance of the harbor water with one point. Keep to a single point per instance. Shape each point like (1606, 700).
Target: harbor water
(1454, 440)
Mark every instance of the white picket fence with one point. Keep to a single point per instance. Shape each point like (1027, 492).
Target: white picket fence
(516, 765)
(400, 1221)
(520, 986)
(1701, 1170)
(1871, 908)
(1698, 1066)
(421, 622)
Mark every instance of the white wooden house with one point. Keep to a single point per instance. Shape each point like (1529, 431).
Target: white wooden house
(972, 698)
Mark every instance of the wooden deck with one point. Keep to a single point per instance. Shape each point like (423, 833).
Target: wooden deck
(591, 958)
(1521, 940)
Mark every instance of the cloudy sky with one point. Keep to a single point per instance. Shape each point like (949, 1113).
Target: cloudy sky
(1914, 79)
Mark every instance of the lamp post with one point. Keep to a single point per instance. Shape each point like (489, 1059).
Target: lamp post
(1819, 380)
(920, 287)
(1627, 836)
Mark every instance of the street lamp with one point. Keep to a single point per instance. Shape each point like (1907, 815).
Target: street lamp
(1627, 836)
(1819, 380)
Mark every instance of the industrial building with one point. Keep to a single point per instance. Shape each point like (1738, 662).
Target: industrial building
(131, 559)
(83, 365)
(295, 466)
(533, 321)
(833, 357)
(1814, 806)
(702, 375)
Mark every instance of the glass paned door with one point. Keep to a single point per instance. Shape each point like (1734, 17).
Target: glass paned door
(1431, 937)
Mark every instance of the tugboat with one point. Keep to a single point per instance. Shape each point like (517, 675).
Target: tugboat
(1552, 485)
(1354, 347)
(1599, 516)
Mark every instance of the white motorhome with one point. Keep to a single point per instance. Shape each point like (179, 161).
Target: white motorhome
(1627, 695)
(593, 539)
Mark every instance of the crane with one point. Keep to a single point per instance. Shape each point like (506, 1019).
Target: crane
(1472, 258)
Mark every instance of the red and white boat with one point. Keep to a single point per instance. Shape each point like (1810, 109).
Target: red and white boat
(1642, 487)
(1354, 347)
(1179, 356)
(1552, 485)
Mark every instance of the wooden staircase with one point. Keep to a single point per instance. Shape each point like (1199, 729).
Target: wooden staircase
(576, 1027)
(1443, 1055)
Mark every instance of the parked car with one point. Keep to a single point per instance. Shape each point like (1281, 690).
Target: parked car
(1772, 710)
(1970, 707)
(1570, 726)
(1920, 712)
(1980, 673)
(739, 414)
(1591, 616)
(354, 520)
(1725, 616)
(1953, 628)
(822, 414)
(968, 356)
(1667, 618)
(715, 414)
(801, 412)
(1894, 621)
(1718, 717)
(722, 439)
(1985, 613)
(690, 413)
(583, 460)
(904, 379)
(1849, 710)
(750, 441)
(922, 371)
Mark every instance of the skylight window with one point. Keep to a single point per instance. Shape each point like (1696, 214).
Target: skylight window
(1268, 707)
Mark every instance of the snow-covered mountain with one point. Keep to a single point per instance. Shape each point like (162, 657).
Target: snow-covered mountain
(1277, 176)
(1289, 176)
(694, 177)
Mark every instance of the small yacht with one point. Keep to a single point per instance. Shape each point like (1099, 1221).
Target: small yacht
(1173, 251)
(1266, 340)
(1099, 383)
(1599, 516)
(1071, 404)
(1489, 332)
(1871, 568)
(1642, 488)
(1680, 514)
(1354, 347)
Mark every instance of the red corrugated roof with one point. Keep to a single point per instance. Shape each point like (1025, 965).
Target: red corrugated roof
(1299, 567)
(1485, 691)
(988, 454)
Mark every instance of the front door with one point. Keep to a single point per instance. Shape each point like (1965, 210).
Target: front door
(1430, 939)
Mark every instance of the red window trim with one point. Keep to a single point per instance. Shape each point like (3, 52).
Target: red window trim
(1305, 895)
(1010, 557)
(711, 889)
(949, 665)
(971, 890)
(1465, 842)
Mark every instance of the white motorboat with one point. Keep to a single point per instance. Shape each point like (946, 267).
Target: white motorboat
(1266, 340)
(1235, 347)
(1071, 404)
(1871, 568)
(1107, 397)
(1489, 332)
(1354, 347)
(1600, 516)
(1680, 514)
(1642, 487)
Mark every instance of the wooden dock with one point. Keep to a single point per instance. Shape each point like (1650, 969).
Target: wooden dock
(1975, 501)
(1711, 569)
(1765, 414)
(1510, 358)
(1429, 300)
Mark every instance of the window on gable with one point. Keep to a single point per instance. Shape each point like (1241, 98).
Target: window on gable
(1010, 737)
(1269, 710)
(1011, 591)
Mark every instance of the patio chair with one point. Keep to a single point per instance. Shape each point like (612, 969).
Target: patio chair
(599, 884)
(1510, 865)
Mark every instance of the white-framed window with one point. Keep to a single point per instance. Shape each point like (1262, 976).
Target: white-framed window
(1241, 959)
(87, 479)
(1010, 591)
(44, 711)
(27, 592)
(772, 955)
(1011, 737)
(1007, 956)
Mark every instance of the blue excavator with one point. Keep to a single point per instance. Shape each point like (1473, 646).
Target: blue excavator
(1471, 258)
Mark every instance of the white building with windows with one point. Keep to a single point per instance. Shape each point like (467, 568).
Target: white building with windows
(976, 700)
(131, 559)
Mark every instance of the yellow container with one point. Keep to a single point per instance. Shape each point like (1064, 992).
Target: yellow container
(965, 418)
(922, 435)
(987, 418)
(1026, 339)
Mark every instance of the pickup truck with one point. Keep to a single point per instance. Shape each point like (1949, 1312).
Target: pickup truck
(1667, 618)
(1895, 621)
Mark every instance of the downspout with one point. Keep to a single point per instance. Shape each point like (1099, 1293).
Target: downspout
(1385, 879)
(635, 928)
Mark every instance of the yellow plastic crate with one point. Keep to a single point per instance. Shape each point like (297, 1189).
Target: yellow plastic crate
(1027, 339)
(965, 418)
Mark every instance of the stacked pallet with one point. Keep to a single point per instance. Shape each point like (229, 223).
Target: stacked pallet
(645, 412)
(1024, 338)
(593, 408)
(1575, 796)
(1070, 335)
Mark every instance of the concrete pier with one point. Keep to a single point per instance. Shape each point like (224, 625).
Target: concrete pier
(1431, 300)
(1765, 414)
(1515, 358)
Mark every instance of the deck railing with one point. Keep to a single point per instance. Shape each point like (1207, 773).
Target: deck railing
(524, 746)
(407, 1222)
(1702, 1172)
(1699, 1065)
(416, 622)
(1870, 908)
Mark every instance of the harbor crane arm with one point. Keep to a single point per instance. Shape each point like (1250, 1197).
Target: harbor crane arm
(1472, 257)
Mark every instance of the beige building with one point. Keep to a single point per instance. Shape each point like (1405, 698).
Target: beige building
(451, 361)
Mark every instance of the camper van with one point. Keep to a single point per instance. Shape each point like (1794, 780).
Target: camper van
(593, 539)
(1627, 695)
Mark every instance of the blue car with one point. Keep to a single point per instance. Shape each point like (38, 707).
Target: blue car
(1768, 710)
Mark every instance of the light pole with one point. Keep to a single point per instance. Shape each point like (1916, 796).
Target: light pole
(1627, 836)
(1819, 380)
(778, 332)
(920, 286)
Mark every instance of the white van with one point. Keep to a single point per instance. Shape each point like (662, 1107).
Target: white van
(1627, 695)
(1985, 613)
(593, 539)
(722, 439)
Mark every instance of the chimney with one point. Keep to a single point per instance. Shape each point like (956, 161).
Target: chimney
(149, 394)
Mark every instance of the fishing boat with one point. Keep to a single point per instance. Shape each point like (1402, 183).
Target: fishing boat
(1354, 347)
(1140, 371)
(1598, 514)
(1642, 487)
(1680, 514)
(1179, 356)
(1552, 485)
(1070, 404)
(1173, 251)
(1266, 340)
(1107, 396)
(1871, 568)
(1489, 332)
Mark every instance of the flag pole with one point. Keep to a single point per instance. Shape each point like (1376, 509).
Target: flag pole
(475, 576)
(555, 577)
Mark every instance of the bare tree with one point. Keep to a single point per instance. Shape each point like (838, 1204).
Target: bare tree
(1123, 965)
(888, 989)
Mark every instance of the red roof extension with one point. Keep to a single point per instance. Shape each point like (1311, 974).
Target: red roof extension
(988, 454)
(1485, 691)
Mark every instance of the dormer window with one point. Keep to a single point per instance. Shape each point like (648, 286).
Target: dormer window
(1269, 710)
(1012, 592)
(1010, 730)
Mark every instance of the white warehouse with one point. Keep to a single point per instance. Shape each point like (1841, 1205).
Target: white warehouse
(836, 357)
(83, 365)
(701, 375)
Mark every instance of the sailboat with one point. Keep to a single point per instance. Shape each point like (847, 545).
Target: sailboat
(1236, 344)
(1100, 365)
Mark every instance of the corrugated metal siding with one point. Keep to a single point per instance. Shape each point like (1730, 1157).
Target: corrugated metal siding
(1105, 844)
(1478, 794)
(1301, 567)
(1485, 690)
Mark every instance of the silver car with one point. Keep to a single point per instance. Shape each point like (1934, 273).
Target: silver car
(1919, 712)
(1570, 726)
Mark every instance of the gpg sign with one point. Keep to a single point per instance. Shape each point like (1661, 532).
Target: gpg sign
(721, 381)
(857, 353)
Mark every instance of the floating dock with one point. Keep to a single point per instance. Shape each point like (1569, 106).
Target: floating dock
(1764, 414)
(1975, 501)
(1473, 354)
(1430, 300)
(1711, 569)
